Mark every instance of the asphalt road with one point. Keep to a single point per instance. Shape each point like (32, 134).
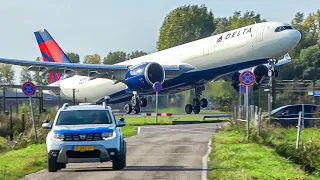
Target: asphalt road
(157, 152)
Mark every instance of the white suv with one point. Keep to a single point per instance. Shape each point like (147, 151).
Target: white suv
(85, 133)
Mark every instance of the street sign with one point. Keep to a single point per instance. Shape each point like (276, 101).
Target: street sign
(28, 88)
(247, 78)
(157, 86)
(316, 93)
(49, 98)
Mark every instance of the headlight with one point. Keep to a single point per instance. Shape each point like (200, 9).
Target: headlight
(58, 136)
(108, 135)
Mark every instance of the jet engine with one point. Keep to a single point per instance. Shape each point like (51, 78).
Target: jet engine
(141, 77)
(261, 74)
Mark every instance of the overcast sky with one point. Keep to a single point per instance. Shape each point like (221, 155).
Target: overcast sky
(101, 26)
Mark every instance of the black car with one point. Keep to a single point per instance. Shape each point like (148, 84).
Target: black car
(290, 114)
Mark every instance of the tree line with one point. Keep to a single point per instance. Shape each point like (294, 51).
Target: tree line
(192, 22)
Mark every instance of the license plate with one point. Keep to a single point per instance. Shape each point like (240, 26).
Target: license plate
(83, 148)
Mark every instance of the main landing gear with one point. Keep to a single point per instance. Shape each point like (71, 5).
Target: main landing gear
(197, 103)
(135, 105)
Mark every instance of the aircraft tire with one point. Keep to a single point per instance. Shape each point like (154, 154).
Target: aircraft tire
(136, 110)
(188, 108)
(196, 109)
(196, 102)
(128, 108)
(143, 102)
(203, 102)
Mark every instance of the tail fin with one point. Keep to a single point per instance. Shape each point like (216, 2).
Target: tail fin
(51, 52)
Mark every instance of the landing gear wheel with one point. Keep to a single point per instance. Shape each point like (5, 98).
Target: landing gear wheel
(203, 102)
(196, 109)
(136, 110)
(188, 108)
(52, 164)
(143, 102)
(128, 108)
(196, 102)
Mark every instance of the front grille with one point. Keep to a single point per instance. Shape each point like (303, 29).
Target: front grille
(83, 137)
(86, 154)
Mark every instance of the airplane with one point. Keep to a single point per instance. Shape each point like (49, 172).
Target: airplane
(184, 67)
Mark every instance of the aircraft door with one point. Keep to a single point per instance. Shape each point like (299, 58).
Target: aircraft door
(260, 33)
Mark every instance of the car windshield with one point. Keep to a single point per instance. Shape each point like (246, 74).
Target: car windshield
(80, 117)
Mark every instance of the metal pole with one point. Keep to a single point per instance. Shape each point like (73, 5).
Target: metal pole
(156, 106)
(299, 131)
(240, 95)
(33, 120)
(74, 96)
(247, 102)
(247, 112)
(302, 116)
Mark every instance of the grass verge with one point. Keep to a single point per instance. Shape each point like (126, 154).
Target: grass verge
(16, 164)
(232, 157)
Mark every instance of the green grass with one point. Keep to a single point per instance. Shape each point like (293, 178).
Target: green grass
(137, 120)
(234, 158)
(16, 164)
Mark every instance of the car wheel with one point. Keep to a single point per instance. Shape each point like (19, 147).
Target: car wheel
(52, 164)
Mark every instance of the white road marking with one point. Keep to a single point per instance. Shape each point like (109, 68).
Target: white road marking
(138, 131)
(205, 161)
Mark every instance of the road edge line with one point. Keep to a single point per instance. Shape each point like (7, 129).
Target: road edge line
(205, 160)
(138, 131)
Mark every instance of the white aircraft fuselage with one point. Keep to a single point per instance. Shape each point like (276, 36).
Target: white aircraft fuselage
(212, 57)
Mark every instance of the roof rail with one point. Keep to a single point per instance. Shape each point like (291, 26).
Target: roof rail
(65, 105)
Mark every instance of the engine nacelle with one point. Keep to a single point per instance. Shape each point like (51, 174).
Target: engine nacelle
(143, 76)
(260, 72)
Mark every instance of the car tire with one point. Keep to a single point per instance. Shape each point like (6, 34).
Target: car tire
(52, 164)
(120, 161)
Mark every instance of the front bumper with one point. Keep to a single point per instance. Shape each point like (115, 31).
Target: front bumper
(100, 154)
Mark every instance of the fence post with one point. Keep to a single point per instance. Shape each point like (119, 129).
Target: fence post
(259, 120)
(23, 123)
(299, 130)
(74, 96)
(11, 124)
(302, 116)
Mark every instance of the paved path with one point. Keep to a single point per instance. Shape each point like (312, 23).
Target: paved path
(157, 152)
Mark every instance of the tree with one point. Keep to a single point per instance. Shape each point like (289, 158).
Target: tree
(115, 57)
(185, 24)
(310, 60)
(92, 59)
(38, 79)
(236, 21)
(73, 57)
(135, 54)
(6, 74)
(25, 75)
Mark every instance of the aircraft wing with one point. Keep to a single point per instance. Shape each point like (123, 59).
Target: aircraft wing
(116, 72)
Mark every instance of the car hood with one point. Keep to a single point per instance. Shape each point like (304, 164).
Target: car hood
(73, 129)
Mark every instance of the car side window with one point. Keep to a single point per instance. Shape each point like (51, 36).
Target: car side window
(294, 109)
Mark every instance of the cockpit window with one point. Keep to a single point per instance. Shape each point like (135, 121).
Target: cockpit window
(282, 28)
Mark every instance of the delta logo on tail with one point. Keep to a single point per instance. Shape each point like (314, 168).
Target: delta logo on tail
(235, 34)
(51, 52)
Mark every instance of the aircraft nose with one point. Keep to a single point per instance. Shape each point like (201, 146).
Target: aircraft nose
(296, 36)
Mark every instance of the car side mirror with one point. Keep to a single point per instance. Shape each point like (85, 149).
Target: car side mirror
(46, 124)
(121, 122)
(283, 114)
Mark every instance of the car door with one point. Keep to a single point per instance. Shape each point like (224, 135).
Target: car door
(290, 115)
